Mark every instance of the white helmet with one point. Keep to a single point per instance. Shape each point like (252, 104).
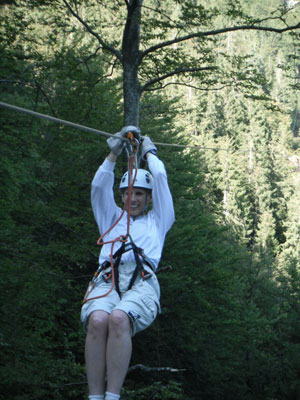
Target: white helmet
(143, 179)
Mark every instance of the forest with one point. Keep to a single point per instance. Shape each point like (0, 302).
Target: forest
(215, 84)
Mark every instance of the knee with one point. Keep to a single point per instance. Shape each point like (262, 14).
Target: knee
(119, 323)
(98, 323)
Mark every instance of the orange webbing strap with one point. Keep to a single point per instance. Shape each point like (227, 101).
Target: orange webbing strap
(132, 162)
(93, 282)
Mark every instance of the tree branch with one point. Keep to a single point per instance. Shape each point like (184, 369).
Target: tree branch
(215, 33)
(172, 73)
(151, 369)
(131, 369)
(204, 89)
(162, 269)
(158, 12)
(104, 45)
(112, 67)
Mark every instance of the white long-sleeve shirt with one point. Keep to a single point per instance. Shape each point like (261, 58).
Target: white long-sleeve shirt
(147, 231)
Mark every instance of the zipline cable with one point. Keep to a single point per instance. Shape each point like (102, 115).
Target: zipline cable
(98, 132)
(57, 120)
(88, 129)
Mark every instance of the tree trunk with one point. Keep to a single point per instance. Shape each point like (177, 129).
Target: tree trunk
(131, 90)
(131, 61)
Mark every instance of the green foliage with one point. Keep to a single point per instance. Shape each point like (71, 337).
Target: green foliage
(230, 269)
(157, 391)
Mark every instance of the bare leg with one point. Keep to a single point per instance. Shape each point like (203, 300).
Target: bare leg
(95, 351)
(119, 348)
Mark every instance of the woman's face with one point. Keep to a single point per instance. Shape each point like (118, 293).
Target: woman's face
(139, 201)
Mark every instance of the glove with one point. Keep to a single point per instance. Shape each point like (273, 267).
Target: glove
(115, 144)
(147, 146)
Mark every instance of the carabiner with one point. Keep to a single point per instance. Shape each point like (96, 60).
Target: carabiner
(133, 143)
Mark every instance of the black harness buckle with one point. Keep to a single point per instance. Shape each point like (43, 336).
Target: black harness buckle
(140, 260)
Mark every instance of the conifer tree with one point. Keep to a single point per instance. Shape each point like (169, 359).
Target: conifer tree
(225, 320)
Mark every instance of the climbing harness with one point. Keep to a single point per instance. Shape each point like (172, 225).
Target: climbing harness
(113, 271)
(127, 244)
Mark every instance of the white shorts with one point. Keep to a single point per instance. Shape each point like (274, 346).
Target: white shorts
(140, 303)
